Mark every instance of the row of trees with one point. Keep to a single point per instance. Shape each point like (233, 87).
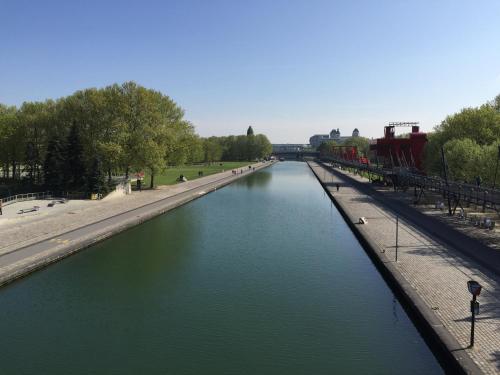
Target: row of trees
(116, 129)
(470, 140)
(237, 148)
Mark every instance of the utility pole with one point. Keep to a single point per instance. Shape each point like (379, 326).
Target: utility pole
(496, 168)
(474, 289)
(445, 172)
(397, 236)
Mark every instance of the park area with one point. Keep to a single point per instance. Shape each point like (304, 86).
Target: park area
(171, 175)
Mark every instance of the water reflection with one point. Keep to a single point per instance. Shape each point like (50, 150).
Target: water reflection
(144, 255)
(259, 179)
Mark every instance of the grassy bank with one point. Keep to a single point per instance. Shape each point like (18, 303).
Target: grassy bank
(171, 174)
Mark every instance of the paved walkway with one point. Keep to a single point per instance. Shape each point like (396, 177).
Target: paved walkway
(436, 274)
(37, 239)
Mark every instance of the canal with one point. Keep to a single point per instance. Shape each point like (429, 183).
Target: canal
(261, 277)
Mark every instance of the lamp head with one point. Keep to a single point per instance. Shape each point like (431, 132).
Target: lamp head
(474, 287)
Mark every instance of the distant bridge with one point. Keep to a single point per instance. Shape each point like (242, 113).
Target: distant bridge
(296, 155)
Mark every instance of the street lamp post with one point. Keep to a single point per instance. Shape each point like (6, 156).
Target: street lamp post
(397, 237)
(496, 169)
(474, 289)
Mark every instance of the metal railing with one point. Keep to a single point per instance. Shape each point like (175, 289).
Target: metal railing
(403, 178)
(25, 197)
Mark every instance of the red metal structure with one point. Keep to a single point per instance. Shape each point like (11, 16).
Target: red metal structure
(346, 153)
(405, 152)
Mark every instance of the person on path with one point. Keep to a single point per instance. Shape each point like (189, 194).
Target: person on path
(337, 186)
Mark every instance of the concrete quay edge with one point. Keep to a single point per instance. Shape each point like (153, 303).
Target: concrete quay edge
(447, 348)
(158, 208)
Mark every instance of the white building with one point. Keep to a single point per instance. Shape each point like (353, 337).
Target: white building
(317, 139)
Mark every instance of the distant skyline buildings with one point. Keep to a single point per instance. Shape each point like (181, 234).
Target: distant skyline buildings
(279, 66)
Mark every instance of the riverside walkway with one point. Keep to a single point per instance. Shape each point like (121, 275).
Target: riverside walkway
(38, 240)
(431, 276)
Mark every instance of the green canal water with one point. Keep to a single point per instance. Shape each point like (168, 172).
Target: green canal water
(261, 277)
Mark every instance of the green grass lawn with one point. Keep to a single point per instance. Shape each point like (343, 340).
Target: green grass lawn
(171, 174)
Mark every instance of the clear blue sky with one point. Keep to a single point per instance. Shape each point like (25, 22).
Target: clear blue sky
(288, 68)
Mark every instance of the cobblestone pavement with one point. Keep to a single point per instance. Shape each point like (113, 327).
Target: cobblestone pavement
(38, 226)
(436, 273)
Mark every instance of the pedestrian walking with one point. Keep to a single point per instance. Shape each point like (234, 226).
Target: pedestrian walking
(337, 186)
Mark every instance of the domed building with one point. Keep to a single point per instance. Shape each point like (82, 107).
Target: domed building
(335, 135)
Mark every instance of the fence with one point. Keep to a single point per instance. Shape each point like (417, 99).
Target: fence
(402, 178)
(25, 197)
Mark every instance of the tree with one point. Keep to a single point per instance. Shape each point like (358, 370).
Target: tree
(326, 148)
(195, 150)
(470, 131)
(250, 147)
(38, 118)
(183, 144)
(462, 156)
(95, 177)
(8, 142)
(263, 147)
(362, 144)
(432, 154)
(13, 144)
(212, 150)
(125, 127)
(54, 165)
(153, 124)
(482, 125)
(32, 161)
(488, 163)
(75, 169)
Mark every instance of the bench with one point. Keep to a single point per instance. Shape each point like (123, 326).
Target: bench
(31, 209)
(53, 203)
